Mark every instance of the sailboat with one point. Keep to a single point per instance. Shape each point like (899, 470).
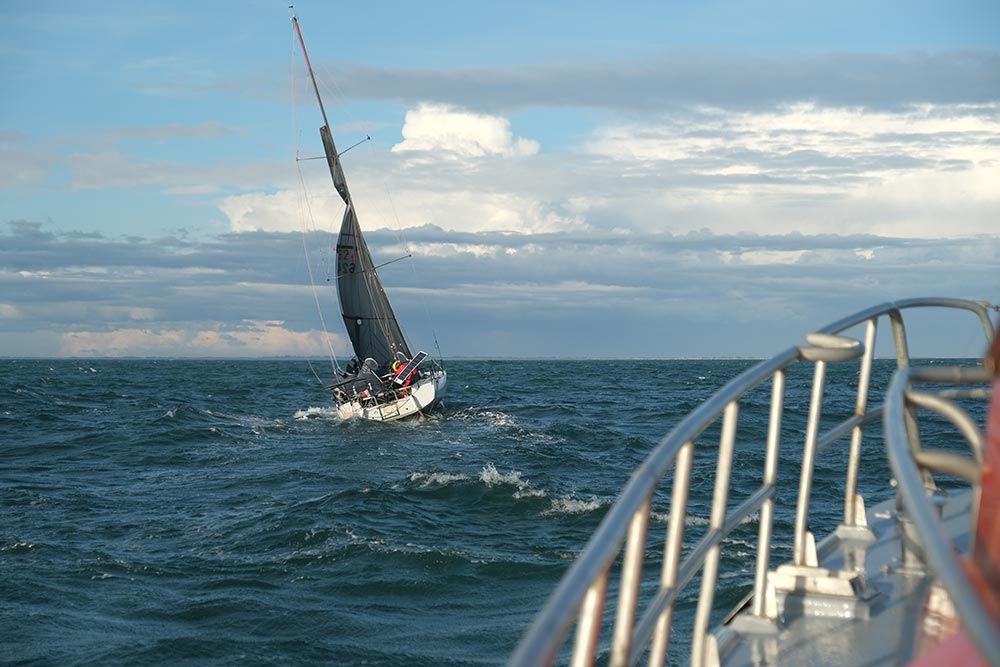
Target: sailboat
(385, 381)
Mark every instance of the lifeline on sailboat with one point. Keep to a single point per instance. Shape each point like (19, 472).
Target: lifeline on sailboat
(385, 381)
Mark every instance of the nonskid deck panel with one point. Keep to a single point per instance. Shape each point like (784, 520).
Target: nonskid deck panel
(881, 626)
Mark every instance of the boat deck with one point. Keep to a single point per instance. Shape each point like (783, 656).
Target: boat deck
(877, 621)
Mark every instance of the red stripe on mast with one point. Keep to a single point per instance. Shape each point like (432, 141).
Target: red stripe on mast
(298, 31)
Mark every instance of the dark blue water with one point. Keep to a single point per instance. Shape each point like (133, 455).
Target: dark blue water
(219, 513)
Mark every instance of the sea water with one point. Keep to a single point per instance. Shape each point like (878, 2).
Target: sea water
(220, 513)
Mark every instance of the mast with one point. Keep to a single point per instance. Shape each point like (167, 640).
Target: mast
(302, 43)
(332, 156)
(368, 316)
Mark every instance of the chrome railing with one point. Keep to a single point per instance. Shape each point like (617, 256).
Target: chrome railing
(581, 594)
(911, 463)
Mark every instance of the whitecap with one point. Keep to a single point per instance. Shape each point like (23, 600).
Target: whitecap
(692, 520)
(491, 477)
(315, 412)
(735, 541)
(499, 419)
(494, 418)
(571, 505)
(436, 478)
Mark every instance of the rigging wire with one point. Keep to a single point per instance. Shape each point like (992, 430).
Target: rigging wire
(306, 217)
(383, 311)
(384, 314)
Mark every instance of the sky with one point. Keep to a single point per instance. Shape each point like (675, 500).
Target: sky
(572, 179)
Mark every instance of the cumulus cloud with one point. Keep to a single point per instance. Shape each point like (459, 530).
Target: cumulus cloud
(450, 207)
(800, 167)
(281, 211)
(439, 127)
(925, 131)
(451, 170)
(457, 209)
(812, 169)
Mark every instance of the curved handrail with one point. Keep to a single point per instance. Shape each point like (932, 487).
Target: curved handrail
(583, 588)
(976, 620)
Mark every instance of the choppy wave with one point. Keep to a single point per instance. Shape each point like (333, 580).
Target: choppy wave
(522, 489)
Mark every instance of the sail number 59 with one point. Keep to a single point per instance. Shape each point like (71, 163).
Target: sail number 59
(347, 258)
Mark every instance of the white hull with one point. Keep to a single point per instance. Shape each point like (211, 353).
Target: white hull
(423, 395)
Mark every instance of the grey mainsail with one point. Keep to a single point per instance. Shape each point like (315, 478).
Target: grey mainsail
(368, 316)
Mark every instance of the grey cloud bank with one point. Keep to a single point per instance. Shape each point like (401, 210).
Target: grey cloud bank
(488, 294)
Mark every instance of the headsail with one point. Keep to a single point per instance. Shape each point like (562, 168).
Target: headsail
(368, 316)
